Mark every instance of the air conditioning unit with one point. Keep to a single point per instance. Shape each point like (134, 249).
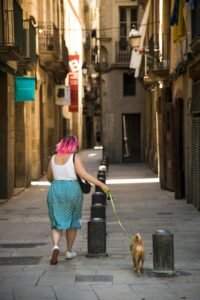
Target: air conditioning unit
(62, 95)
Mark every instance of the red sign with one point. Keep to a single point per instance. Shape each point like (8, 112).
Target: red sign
(73, 81)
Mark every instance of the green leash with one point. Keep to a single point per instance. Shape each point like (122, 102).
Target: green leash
(109, 197)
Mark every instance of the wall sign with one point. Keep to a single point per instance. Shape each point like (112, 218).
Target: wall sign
(73, 81)
(24, 89)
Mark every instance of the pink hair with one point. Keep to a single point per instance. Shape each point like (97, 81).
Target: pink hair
(67, 145)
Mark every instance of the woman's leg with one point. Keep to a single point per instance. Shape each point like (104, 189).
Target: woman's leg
(70, 238)
(56, 236)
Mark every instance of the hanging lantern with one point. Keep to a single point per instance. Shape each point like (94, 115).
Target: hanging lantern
(134, 38)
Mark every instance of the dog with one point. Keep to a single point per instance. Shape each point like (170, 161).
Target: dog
(138, 253)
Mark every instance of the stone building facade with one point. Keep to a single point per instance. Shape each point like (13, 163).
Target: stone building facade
(32, 44)
(172, 83)
(122, 95)
(45, 40)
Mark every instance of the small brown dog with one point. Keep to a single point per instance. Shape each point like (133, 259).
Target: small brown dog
(138, 253)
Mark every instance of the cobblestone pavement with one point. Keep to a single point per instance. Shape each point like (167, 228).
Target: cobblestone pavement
(25, 244)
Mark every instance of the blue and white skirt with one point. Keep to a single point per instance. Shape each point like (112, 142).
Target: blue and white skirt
(64, 200)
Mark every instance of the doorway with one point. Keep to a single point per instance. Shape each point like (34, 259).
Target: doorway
(179, 149)
(131, 137)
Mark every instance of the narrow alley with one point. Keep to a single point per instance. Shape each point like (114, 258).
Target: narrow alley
(25, 243)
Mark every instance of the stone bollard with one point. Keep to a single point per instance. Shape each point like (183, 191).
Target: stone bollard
(99, 197)
(163, 252)
(96, 238)
(98, 211)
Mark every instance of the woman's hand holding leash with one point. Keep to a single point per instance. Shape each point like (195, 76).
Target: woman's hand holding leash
(104, 188)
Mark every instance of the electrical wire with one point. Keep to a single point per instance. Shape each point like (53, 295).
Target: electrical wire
(105, 29)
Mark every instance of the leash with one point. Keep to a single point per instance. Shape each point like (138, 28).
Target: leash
(109, 197)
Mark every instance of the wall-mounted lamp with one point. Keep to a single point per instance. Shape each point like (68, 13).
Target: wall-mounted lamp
(84, 69)
(40, 30)
(134, 37)
(32, 20)
(34, 23)
(94, 75)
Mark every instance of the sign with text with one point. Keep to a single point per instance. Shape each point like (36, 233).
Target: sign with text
(73, 81)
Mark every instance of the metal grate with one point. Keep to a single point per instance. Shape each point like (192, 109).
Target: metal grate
(32, 208)
(22, 245)
(21, 260)
(196, 161)
(94, 278)
(165, 213)
(195, 180)
(195, 108)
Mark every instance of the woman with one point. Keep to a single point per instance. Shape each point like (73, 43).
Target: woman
(65, 196)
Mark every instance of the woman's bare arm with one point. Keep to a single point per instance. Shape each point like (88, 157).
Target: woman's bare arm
(49, 172)
(85, 175)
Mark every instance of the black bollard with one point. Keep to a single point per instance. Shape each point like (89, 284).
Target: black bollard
(96, 238)
(98, 189)
(99, 197)
(104, 162)
(98, 211)
(102, 179)
(163, 252)
(103, 151)
(101, 174)
(102, 168)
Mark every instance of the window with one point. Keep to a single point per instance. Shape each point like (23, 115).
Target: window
(127, 18)
(129, 87)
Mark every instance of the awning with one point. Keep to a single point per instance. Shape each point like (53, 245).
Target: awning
(136, 56)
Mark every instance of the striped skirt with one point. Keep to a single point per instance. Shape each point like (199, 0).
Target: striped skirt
(64, 200)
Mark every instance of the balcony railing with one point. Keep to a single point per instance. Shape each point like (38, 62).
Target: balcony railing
(29, 47)
(61, 65)
(11, 30)
(196, 19)
(48, 41)
(123, 52)
(53, 51)
(158, 55)
(195, 45)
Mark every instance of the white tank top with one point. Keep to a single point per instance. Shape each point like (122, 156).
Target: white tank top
(63, 172)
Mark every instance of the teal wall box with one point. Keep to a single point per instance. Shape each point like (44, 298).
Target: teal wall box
(24, 89)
